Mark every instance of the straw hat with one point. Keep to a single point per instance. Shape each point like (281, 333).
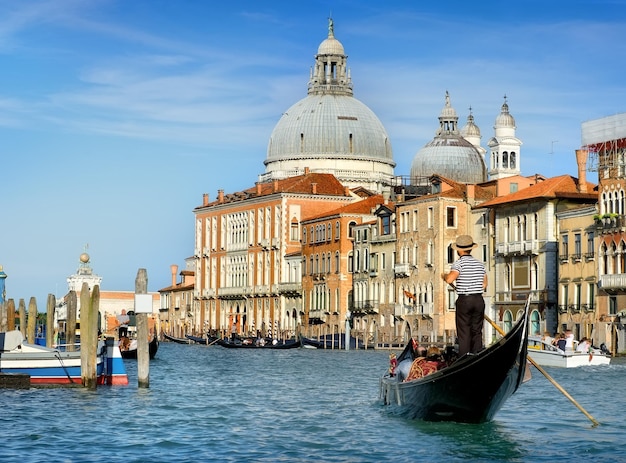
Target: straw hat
(464, 243)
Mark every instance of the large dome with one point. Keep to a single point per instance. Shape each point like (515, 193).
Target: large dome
(449, 154)
(329, 127)
(330, 131)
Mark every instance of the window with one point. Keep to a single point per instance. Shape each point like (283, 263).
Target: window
(350, 263)
(564, 246)
(337, 230)
(590, 245)
(450, 254)
(337, 268)
(577, 246)
(431, 217)
(451, 217)
(385, 225)
(294, 230)
(303, 235)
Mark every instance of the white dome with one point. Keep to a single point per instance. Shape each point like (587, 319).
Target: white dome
(330, 131)
(449, 154)
(329, 126)
(452, 157)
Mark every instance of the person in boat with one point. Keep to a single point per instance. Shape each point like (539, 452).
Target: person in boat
(547, 337)
(569, 340)
(124, 343)
(123, 319)
(560, 341)
(584, 345)
(393, 364)
(424, 366)
(470, 277)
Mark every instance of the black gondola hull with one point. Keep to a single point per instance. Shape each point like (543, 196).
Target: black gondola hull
(471, 390)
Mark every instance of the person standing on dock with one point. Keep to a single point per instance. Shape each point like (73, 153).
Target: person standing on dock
(471, 281)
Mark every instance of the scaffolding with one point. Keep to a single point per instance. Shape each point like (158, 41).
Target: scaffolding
(605, 140)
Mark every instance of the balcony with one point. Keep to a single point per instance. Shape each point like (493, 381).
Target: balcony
(208, 292)
(611, 223)
(563, 308)
(517, 248)
(317, 317)
(401, 270)
(587, 308)
(574, 308)
(365, 307)
(290, 288)
(613, 283)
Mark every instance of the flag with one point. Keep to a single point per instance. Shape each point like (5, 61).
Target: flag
(409, 295)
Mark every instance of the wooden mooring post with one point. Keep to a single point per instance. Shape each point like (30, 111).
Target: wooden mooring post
(50, 307)
(89, 312)
(143, 354)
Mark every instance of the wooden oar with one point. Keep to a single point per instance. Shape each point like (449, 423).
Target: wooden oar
(213, 342)
(548, 377)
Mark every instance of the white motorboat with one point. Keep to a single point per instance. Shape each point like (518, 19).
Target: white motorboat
(547, 355)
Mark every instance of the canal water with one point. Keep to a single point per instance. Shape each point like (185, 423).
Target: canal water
(207, 403)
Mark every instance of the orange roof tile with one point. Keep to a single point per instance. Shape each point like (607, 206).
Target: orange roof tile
(563, 186)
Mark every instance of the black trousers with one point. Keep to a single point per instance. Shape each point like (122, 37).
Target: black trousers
(470, 317)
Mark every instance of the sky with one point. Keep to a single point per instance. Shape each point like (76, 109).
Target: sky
(117, 116)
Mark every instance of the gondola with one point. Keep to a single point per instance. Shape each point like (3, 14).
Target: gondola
(471, 390)
(255, 344)
(176, 340)
(131, 353)
(209, 340)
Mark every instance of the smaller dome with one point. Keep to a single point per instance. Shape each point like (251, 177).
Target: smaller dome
(84, 258)
(470, 129)
(448, 112)
(330, 46)
(505, 119)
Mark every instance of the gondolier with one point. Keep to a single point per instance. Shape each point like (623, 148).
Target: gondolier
(470, 278)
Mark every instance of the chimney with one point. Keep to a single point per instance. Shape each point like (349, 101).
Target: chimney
(307, 171)
(346, 191)
(220, 196)
(471, 193)
(385, 197)
(258, 188)
(205, 199)
(581, 160)
(275, 185)
(314, 188)
(174, 270)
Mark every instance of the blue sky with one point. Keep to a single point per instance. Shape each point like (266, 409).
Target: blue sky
(116, 116)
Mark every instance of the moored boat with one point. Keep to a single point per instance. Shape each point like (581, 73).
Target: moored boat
(209, 340)
(471, 390)
(176, 340)
(548, 355)
(50, 366)
(131, 352)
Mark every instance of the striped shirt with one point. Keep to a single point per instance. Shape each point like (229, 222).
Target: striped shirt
(471, 275)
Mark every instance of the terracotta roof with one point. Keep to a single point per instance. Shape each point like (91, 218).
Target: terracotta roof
(563, 186)
(363, 206)
(322, 184)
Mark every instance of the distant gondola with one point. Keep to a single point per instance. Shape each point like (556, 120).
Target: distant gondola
(470, 390)
(200, 340)
(175, 339)
(250, 343)
(153, 347)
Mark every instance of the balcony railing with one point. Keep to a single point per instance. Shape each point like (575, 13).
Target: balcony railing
(588, 308)
(519, 247)
(401, 270)
(612, 282)
(369, 306)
